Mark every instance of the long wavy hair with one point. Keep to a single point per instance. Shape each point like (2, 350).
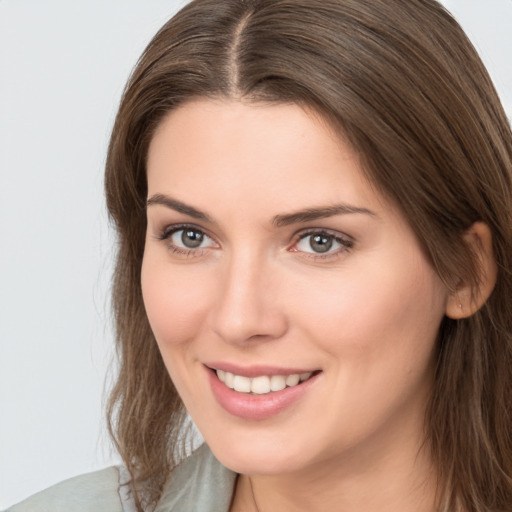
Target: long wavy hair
(401, 81)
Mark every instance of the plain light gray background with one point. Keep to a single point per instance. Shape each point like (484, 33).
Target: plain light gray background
(63, 65)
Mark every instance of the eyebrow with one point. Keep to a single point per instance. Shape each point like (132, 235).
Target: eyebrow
(319, 213)
(178, 206)
(281, 220)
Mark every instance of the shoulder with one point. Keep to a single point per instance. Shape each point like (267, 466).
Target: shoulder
(199, 484)
(91, 492)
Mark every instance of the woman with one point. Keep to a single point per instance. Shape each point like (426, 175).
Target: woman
(313, 203)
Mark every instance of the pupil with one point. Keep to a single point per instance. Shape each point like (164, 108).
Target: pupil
(192, 239)
(321, 243)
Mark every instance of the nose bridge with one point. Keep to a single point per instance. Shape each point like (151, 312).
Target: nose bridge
(246, 303)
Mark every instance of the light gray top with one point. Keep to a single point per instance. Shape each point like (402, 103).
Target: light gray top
(199, 484)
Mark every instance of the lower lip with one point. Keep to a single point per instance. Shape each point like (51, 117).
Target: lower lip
(255, 407)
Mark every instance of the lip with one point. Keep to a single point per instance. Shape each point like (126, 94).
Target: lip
(257, 407)
(256, 370)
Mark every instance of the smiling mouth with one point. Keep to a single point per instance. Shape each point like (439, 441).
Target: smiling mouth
(262, 384)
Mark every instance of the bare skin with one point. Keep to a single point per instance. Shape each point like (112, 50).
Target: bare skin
(233, 274)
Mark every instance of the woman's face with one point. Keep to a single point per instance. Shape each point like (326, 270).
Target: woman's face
(269, 259)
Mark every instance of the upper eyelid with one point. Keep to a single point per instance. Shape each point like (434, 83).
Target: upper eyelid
(166, 233)
(331, 232)
(173, 228)
(168, 230)
(346, 242)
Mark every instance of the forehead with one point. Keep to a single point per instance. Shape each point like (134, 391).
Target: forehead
(217, 122)
(245, 148)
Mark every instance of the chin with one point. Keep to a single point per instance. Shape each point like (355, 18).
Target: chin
(258, 457)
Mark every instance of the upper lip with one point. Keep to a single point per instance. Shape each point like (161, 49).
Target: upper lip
(256, 370)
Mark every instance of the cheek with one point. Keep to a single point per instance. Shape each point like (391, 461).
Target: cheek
(368, 310)
(176, 302)
(378, 328)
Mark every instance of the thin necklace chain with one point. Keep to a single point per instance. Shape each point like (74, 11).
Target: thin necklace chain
(253, 497)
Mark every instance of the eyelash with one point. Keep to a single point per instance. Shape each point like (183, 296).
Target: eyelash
(345, 242)
(169, 231)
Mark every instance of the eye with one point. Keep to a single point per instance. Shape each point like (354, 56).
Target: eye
(322, 243)
(186, 239)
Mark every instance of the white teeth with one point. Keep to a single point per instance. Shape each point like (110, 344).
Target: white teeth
(260, 385)
(263, 384)
(293, 379)
(277, 382)
(229, 379)
(242, 384)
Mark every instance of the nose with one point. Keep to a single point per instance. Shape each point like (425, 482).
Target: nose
(247, 307)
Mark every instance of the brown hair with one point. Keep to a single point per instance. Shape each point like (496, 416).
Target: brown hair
(404, 84)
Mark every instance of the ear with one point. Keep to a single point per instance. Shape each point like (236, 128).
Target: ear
(467, 299)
